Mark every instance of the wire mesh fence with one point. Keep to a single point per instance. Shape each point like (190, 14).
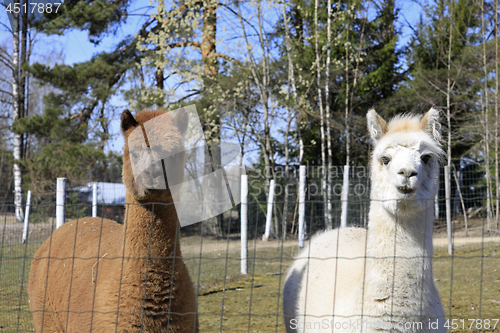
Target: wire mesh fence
(228, 301)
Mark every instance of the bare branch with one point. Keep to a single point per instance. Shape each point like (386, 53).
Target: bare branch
(242, 18)
(228, 58)
(6, 81)
(6, 61)
(435, 87)
(190, 95)
(6, 27)
(409, 24)
(185, 44)
(6, 92)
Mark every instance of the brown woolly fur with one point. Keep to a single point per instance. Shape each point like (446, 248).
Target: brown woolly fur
(95, 275)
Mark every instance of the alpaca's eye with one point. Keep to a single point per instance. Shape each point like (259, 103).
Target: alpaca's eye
(426, 158)
(386, 160)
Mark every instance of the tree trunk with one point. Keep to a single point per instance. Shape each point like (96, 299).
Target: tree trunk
(208, 52)
(486, 124)
(299, 29)
(347, 141)
(266, 80)
(322, 119)
(210, 70)
(497, 177)
(18, 138)
(345, 184)
(448, 119)
(291, 79)
(261, 81)
(23, 112)
(448, 92)
(329, 215)
(160, 80)
(459, 186)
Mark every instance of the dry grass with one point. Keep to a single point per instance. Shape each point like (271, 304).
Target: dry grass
(469, 283)
(252, 303)
(14, 270)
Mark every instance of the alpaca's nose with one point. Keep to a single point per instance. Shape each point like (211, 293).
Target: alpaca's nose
(407, 171)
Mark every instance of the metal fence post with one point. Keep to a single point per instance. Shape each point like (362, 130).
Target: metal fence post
(94, 200)
(302, 204)
(244, 224)
(60, 201)
(448, 207)
(26, 217)
(269, 217)
(345, 197)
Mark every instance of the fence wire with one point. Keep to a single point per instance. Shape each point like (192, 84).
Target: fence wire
(227, 301)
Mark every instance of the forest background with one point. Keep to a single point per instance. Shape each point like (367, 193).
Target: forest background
(289, 81)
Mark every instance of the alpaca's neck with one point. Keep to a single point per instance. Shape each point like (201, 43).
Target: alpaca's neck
(399, 252)
(401, 233)
(153, 273)
(151, 230)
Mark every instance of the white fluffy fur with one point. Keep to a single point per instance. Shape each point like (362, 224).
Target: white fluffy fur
(380, 278)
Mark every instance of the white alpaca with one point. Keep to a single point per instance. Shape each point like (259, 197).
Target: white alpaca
(380, 278)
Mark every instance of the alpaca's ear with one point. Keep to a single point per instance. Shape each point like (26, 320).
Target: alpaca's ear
(430, 124)
(181, 120)
(376, 125)
(127, 121)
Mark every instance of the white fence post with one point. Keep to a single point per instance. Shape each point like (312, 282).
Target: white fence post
(26, 217)
(244, 224)
(94, 200)
(448, 207)
(269, 217)
(60, 201)
(302, 204)
(345, 197)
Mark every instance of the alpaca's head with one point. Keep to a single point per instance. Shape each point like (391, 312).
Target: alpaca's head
(405, 160)
(148, 137)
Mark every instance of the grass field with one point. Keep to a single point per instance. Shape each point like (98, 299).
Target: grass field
(14, 270)
(233, 303)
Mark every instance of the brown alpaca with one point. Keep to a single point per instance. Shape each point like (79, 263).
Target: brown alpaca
(95, 275)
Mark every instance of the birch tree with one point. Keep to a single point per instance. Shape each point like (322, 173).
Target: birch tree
(6, 165)
(324, 171)
(449, 87)
(329, 216)
(497, 177)
(17, 114)
(291, 80)
(485, 112)
(346, 116)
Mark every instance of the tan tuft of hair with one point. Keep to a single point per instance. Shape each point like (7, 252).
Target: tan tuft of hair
(404, 123)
